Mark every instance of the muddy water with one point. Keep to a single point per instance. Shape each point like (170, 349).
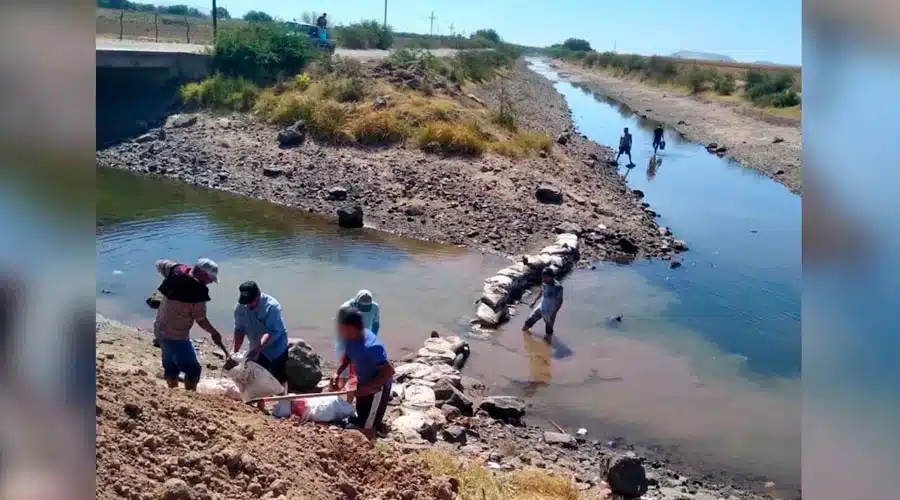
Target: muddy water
(706, 360)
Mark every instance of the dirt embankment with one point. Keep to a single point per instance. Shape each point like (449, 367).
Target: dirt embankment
(769, 144)
(484, 202)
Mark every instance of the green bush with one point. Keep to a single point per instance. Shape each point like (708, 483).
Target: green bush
(345, 89)
(767, 89)
(786, 99)
(365, 35)
(261, 52)
(220, 92)
(696, 79)
(723, 83)
(577, 45)
(481, 65)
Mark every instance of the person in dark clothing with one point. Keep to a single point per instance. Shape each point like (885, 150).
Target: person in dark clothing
(374, 370)
(657, 137)
(322, 24)
(625, 146)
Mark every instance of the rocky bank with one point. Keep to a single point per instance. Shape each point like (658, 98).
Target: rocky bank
(499, 204)
(153, 442)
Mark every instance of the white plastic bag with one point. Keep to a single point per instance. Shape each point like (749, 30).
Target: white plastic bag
(328, 409)
(254, 381)
(282, 409)
(222, 387)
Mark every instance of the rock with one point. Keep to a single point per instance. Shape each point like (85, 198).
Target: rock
(406, 427)
(593, 156)
(638, 193)
(273, 171)
(721, 149)
(443, 390)
(350, 217)
(679, 245)
(779, 172)
(777, 140)
(450, 412)
(674, 264)
(563, 139)
(292, 135)
(414, 210)
(337, 193)
(149, 137)
(180, 121)
(624, 475)
(542, 154)
(432, 147)
(568, 227)
(549, 194)
(503, 407)
(460, 401)
(381, 102)
(454, 434)
(682, 122)
(175, 489)
(628, 246)
(560, 438)
(433, 422)
(304, 367)
(712, 146)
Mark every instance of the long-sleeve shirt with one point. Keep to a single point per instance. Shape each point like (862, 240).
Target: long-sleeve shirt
(264, 318)
(183, 303)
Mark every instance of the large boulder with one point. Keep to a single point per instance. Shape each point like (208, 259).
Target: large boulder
(507, 408)
(350, 217)
(625, 475)
(304, 367)
(560, 438)
(337, 193)
(549, 194)
(459, 400)
(293, 135)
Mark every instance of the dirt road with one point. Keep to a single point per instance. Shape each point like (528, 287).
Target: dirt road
(768, 144)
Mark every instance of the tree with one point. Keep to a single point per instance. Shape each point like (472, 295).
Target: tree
(577, 44)
(258, 16)
(222, 13)
(487, 34)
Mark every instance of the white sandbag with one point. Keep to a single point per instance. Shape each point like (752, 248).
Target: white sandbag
(516, 270)
(328, 409)
(411, 370)
(397, 391)
(437, 350)
(567, 239)
(418, 397)
(494, 298)
(254, 381)
(556, 250)
(220, 387)
(500, 281)
(487, 316)
(456, 343)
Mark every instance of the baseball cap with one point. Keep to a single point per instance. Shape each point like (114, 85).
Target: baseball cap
(209, 267)
(364, 298)
(249, 292)
(548, 271)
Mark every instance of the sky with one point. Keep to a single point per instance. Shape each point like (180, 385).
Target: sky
(747, 30)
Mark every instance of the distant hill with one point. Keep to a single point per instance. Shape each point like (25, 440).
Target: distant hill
(706, 56)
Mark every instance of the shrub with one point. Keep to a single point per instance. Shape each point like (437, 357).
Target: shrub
(261, 52)
(326, 121)
(504, 118)
(258, 16)
(785, 99)
(345, 89)
(481, 65)
(723, 83)
(380, 128)
(696, 79)
(577, 45)
(453, 138)
(764, 89)
(488, 35)
(220, 92)
(365, 35)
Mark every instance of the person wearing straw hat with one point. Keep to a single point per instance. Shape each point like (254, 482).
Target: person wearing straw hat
(184, 292)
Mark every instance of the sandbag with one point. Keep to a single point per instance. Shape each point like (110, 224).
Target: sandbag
(487, 316)
(500, 281)
(328, 409)
(254, 381)
(220, 387)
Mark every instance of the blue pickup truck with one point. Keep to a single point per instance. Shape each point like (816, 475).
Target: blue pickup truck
(311, 31)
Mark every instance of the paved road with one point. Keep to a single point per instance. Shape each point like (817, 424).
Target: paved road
(189, 48)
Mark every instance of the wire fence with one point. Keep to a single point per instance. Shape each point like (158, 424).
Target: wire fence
(155, 27)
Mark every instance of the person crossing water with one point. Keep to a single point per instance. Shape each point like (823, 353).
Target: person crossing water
(625, 147)
(658, 142)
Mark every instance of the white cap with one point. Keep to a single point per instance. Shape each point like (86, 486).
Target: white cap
(209, 267)
(364, 297)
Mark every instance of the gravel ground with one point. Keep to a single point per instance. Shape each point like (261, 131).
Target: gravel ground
(487, 202)
(748, 134)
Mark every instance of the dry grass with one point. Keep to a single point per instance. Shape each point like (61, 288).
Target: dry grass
(453, 138)
(380, 128)
(479, 483)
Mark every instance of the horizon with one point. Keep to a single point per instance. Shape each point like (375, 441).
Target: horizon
(768, 30)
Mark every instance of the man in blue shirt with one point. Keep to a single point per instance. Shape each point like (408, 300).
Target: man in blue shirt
(374, 370)
(366, 305)
(258, 316)
(551, 297)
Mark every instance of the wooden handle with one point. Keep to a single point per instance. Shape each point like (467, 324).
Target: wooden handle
(291, 397)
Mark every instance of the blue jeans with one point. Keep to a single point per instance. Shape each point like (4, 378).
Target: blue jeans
(537, 315)
(179, 356)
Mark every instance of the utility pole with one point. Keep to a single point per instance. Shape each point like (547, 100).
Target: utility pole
(215, 15)
(385, 14)
(431, 29)
(451, 29)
